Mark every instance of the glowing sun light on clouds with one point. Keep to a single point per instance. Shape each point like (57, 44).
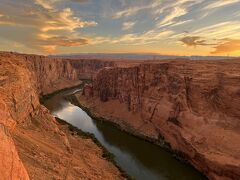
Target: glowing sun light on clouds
(189, 27)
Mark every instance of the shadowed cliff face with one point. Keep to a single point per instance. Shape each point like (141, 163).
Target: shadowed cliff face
(87, 69)
(52, 74)
(193, 105)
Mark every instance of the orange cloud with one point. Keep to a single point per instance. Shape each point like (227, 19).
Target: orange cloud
(49, 27)
(194, 41)
(49, 43)
(48, 48)
(65, 21)
(64, 41)
(228, 46)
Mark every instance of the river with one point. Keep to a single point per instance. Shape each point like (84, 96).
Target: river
(140, 159)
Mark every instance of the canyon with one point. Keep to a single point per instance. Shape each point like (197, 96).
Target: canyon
(190, 107)
(33, 144)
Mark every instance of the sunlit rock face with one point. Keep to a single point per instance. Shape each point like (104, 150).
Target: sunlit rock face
(20, 81)
(27, 129)
(193, 105)
(87, 69)
(18, 100)
(10, 164)
(52, 74)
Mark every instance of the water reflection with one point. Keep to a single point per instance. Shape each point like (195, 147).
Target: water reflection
(138, 158)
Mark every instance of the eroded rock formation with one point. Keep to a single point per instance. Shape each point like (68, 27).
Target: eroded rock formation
(10, 163)
(32, 144)
(193, 105)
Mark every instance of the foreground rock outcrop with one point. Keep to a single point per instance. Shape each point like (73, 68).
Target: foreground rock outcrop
(10, 163)
(32, 144)
(194, 106)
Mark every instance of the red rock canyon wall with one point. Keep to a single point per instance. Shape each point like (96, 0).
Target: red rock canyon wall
(194, 105)
(22, 79)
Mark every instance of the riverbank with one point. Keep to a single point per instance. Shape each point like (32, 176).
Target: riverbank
(192, 104)
(43, 98)
(80, 101)
(85, 135)
(70, 131)
(74, 99)
(45, 156)
(68, 128)
(140, 159)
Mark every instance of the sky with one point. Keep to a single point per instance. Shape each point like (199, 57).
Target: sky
(166, 27)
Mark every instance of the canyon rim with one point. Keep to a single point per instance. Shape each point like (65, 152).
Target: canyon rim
(192, 111)
(118, 89)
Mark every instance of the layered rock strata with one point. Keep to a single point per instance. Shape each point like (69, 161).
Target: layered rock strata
(193, 105)
(32, 144)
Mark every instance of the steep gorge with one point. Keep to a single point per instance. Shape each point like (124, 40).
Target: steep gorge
(191, 105)
(33, 145)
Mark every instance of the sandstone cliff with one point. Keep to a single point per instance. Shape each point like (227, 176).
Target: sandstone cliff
(51, 74)
(33, 145)
(192, 105)
(87, 69)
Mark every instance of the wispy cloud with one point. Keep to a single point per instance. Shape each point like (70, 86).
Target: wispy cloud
(189, 25)
(219, 4)
(128, 25)
(152, 36)
(53, 27)
(181, 22)
(174, 13)
(47, 4)
(229, 29)
(66, 21)
(129, 12)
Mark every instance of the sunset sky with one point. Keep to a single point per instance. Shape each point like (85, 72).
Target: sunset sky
(168, 27)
